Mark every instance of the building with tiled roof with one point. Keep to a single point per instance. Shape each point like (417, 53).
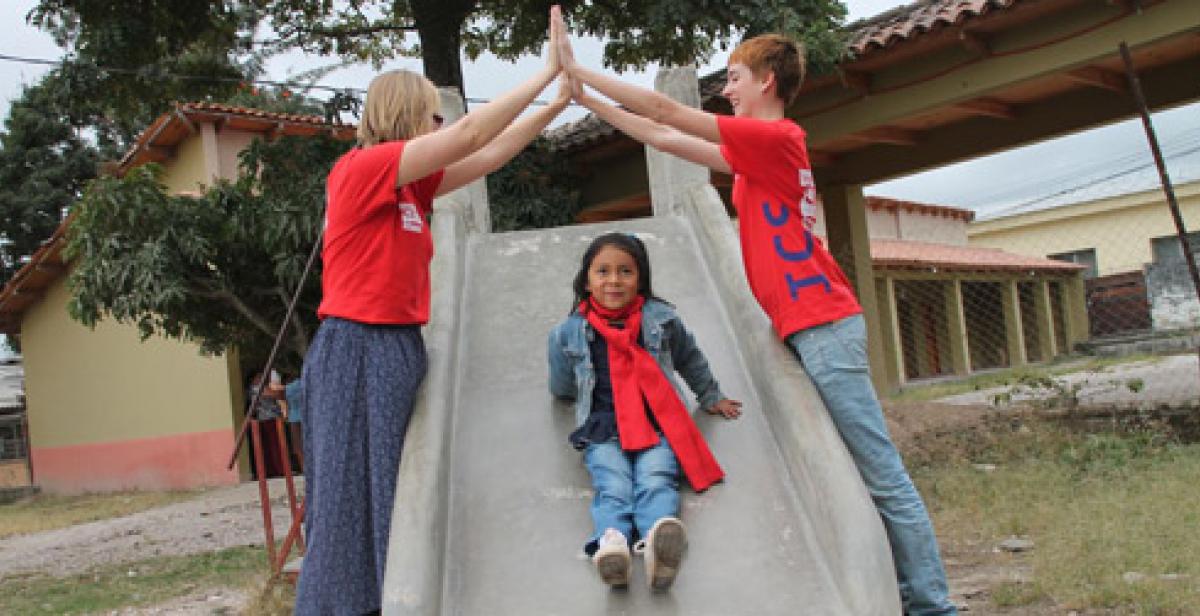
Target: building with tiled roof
(107, 410)
(1136, 277)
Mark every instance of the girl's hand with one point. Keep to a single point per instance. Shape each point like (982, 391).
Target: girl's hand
(576, 90)
(558, 30)
(564, 92)
(553, 53)
(729, 409)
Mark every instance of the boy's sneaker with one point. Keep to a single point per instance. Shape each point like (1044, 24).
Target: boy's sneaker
(612, 558)
(663, 549)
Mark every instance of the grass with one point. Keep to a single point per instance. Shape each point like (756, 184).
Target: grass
(1097, 506)
(47, 512)
(145, 582)
(1014, 376)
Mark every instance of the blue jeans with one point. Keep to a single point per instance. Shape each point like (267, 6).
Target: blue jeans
(835, 357)
(633, 489)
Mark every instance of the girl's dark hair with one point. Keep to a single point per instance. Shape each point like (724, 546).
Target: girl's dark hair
(632, 246)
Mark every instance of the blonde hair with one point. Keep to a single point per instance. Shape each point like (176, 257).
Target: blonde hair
(400, 105)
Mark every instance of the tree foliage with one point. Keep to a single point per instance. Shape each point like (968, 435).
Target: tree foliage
(43, 168)
(667, 31)
(129, 60)
(535, 190)
(218, 269)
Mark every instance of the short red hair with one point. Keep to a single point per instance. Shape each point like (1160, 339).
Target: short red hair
(778, 54)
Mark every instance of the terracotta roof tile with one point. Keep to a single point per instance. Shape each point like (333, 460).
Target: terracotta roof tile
(884, 203)
(905, 254)
(169, 128)
(876, 33)
(905, 22)
(253, 113)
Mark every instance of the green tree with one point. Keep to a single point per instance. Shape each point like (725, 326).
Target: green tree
(218, 269)
(129, 60)
(535, 190)
(669, 31)
(43, 168)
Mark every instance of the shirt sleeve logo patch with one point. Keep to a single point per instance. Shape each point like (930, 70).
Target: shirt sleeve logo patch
(808, 199)
(410, 218)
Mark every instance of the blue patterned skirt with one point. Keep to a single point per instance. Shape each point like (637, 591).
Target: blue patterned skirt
(361, 383)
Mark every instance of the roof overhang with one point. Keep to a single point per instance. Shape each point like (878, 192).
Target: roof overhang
(942, 81)
(1028, 71)
(155, 144)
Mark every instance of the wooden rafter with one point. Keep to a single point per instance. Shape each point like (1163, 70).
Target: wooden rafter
(1099, 78)
(989, 108)
(617, 209)
(856, 80)
(819, 158)
(158, 153)
(886, 134)
(974, 42)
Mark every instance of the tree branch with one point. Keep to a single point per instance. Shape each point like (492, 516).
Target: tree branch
(233, 301)
(340, 33)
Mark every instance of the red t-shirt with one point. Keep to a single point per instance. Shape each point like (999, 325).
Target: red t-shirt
(377, 242)
(793, 276)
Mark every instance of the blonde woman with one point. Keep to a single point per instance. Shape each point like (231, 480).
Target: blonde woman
(368, 358)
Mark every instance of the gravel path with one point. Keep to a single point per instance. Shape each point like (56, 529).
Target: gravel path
(218, 519)
(1169, 381)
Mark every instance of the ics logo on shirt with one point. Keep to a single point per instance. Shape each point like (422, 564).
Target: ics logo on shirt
(410, 218)
(808, 199)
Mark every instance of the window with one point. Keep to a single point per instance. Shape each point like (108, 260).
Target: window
(1166, 249)
(12, 438)
(1085, 257)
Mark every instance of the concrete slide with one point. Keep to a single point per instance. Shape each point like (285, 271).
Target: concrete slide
(492, 503)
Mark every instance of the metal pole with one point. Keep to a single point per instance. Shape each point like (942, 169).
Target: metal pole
(1135, 87)
(266, 371)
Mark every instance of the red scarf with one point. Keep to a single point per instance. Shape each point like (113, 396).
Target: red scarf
(634, 373)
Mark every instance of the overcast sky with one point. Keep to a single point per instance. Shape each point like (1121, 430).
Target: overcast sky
(1049, 170)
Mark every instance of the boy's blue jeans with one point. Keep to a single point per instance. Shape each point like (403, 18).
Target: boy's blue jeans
(633, 489)
(835, 357)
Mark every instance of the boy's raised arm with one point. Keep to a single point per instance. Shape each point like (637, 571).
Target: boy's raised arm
(647, 103)
(658, 136)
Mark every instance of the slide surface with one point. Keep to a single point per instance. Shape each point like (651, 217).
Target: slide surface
(779, 536)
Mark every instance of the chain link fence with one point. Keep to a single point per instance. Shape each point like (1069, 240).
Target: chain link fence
(1080, 299)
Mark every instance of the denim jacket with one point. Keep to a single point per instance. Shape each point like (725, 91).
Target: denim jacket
(572, 375)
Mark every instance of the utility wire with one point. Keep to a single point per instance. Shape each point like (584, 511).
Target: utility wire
(150, 71)
(1080, 186)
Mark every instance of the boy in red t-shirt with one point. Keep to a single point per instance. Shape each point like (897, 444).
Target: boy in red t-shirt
(794, 278)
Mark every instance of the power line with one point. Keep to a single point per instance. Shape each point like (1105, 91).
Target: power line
(153, 70)
(1091, 182)
(1173, 147)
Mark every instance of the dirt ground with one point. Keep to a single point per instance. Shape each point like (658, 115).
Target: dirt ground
(216, 520)
(230, 517)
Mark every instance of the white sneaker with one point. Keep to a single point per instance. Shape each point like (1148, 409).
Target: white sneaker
(612, 558)
(663, 549)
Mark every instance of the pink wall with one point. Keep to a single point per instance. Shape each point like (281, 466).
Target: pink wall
(175, 462)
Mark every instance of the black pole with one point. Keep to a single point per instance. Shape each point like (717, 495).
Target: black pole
(266, 371)
(1135, 87)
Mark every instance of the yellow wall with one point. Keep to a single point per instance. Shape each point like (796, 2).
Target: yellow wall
(900, 224)
(93, 386)
(1119, 229)
(186, 171)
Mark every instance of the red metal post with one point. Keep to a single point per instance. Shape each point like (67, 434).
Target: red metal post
(286, 459)
(264, 492)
